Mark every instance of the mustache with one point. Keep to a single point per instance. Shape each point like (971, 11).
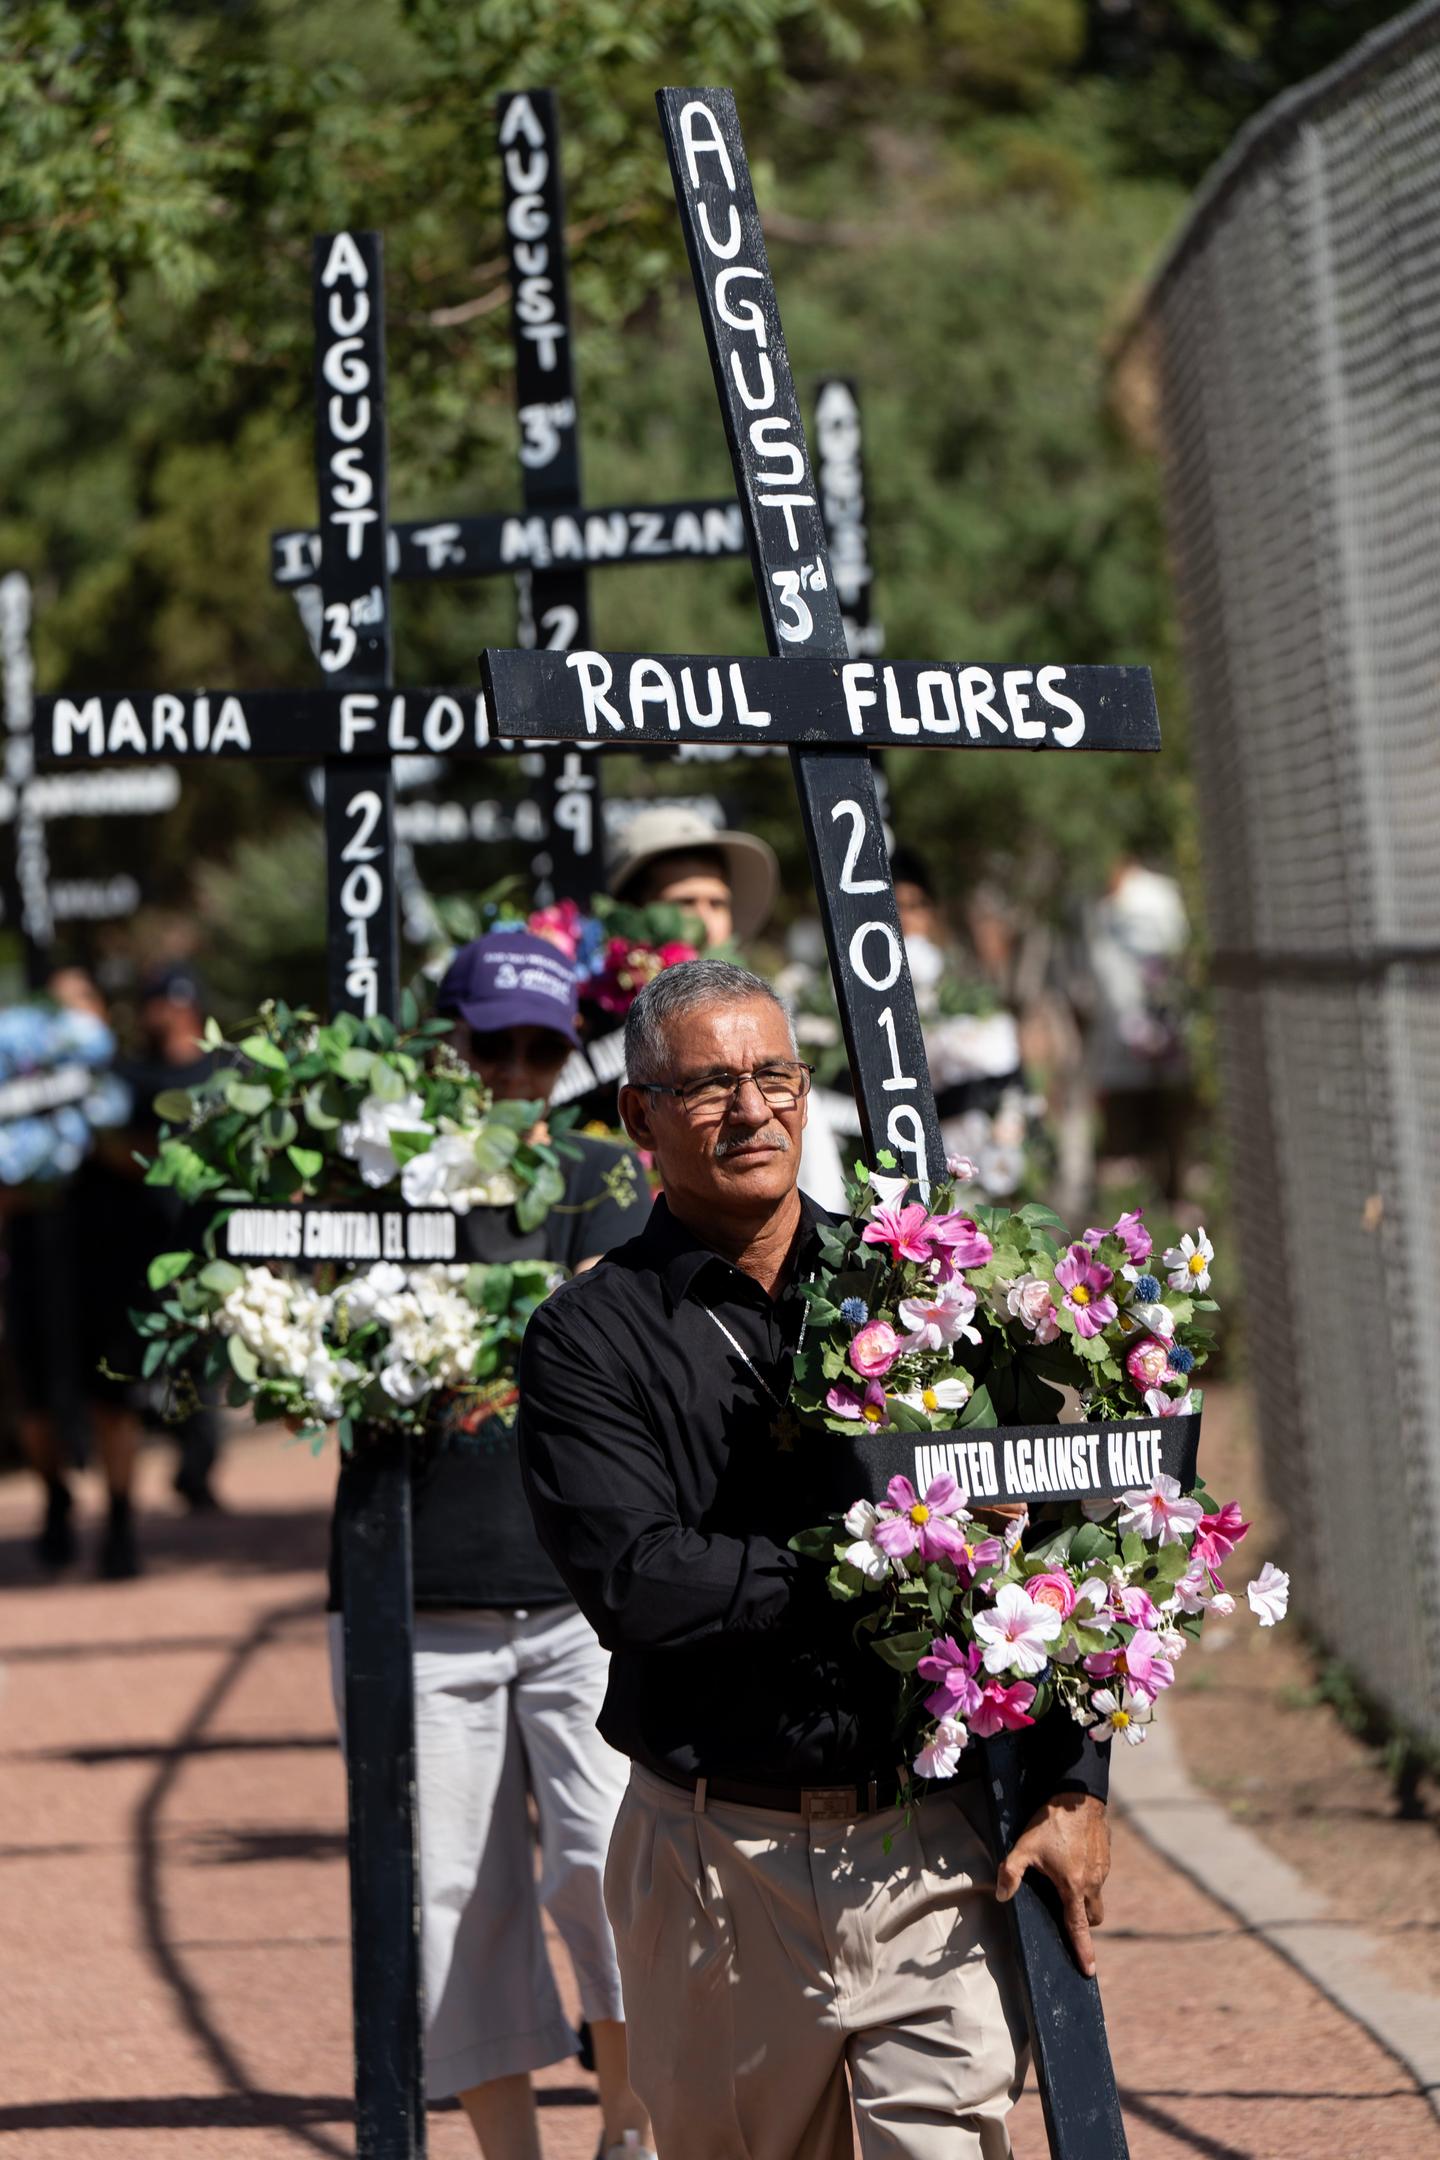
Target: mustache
(773, 1137)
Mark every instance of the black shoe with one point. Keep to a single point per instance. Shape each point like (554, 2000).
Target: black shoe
(198, 1494)
(119, 1558)
(55, 1546)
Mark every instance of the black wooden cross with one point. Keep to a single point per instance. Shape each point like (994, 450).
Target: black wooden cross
(553, 543)
(355, 726)
(832, 710)
(37, 903)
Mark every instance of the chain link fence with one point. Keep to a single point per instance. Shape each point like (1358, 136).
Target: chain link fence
(1291, 342)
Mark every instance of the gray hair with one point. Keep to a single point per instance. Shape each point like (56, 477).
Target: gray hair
(672, 994)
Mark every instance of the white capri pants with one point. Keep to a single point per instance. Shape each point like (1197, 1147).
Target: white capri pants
(505, 1706)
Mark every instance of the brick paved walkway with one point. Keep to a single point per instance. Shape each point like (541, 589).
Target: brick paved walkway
(172, 1883)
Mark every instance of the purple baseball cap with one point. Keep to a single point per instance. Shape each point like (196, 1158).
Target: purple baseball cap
(510, 979)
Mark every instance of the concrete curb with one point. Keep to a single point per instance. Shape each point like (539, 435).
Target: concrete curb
(1231, 1865)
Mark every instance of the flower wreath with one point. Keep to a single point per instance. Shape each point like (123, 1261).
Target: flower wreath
(929, 1317)
(295, 1111)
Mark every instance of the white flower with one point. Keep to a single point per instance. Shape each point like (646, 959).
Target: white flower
(940, 1756)
(405, 1383)
(865, 1554)
(1017, 1633)
(1223, 1604)
(325, 1380)
(1157, 1319)
(887, 1192)
(1160, 1512)
(1189, 1262)
(961, 1169)
(1269, 1594)
(1126, 1715)
(367, 1141)
(950, 1394)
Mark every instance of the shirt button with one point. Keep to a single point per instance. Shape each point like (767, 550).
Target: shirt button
(520, 1613)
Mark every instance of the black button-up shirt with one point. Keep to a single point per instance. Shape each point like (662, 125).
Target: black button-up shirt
(649, 1393)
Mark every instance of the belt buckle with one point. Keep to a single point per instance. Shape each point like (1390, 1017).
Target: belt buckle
(829, 1803)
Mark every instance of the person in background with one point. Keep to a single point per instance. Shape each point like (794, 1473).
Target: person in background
(1136, 936)
(671, 856)
(41, 1331)
(121, 1224)
(508, 1674)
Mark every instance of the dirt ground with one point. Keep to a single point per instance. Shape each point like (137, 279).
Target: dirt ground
(174, 1975)
(1256, 1734)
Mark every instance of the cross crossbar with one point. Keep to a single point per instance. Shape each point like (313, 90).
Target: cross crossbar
(498, 544)
(585, 696)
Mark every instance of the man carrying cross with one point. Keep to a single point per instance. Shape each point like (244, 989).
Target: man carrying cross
(706, 1506)
(781, 1918)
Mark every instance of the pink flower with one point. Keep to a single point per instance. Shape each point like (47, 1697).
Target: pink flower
(1085, 1282)
(674, 953)
(905, 1230)
(959, 1242)
(1002, 1709)
(1054, 1588)
(1269, 1594)
(953, 1671)
(1137, 1606)
(961, 1169)
(1145, 1667)
(1148, 1364)
(935, 1326)
(848, 1402)
(1216, 1536)
(912, 1525)
(1161, 1405)
(559, 925)
(874, 1349)
(1029, 1301)
(968, 1563)
(1134, 1236)
(1160, 1512)
(940, 1756)
(1017, 1633)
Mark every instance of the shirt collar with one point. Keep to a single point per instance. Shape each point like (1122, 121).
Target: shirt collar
(679, 1256)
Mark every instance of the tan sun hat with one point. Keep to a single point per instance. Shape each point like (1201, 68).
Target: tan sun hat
(750, 865)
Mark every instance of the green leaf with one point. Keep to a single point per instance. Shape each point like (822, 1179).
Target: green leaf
(261, 1051)
(1092, 1543)
(279, 1126)
(405, 1146)
(221, 1276)
(817, 1544)
(495, 1147)
(979, 1410)
(537, 1200)
(175, 1105)
(243, 1361)
(904, 1652)
(385, 1081)
(165, 1267)
(308, 1161)
(248, 1097)
(409, 1010)
(317, 1114)
(154, 1358)
(356, 1065)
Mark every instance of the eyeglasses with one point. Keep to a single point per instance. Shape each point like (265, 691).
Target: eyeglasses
(781, 1086)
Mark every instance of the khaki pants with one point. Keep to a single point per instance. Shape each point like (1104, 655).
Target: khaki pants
(762, 1958)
